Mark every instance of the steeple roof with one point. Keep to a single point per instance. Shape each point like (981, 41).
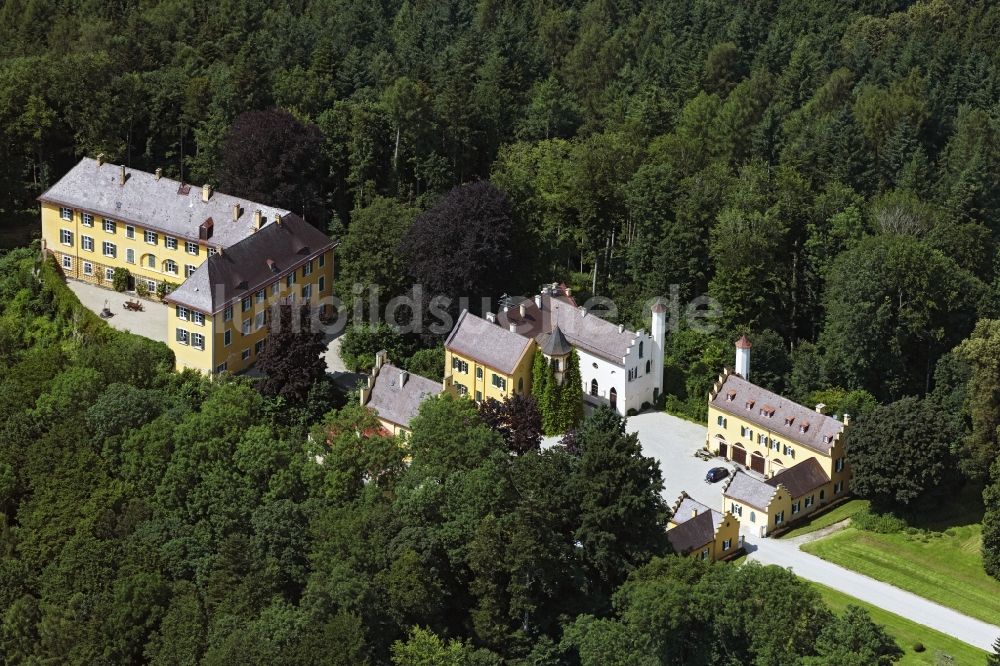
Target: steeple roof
(556, 344)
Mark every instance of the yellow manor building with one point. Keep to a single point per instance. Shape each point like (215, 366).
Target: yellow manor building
(225, 261)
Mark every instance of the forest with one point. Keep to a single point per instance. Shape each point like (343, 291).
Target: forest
(827, 172)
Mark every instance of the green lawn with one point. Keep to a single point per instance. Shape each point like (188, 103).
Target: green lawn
(834, 515)
(908, 633)
(945, 567)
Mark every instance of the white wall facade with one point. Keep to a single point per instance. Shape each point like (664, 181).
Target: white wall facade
(631, 393)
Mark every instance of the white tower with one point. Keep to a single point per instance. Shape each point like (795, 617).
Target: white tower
(659, 341)
(743, 357)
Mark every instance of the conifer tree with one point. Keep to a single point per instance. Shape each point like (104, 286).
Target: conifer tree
(549, 404)
(571, 395)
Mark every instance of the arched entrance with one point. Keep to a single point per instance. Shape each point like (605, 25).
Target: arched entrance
(739, 454)
(720, 443)
(613, 397)
(757, 463)
(593, 387)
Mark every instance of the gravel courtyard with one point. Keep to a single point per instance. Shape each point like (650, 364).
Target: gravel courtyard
(150, 323)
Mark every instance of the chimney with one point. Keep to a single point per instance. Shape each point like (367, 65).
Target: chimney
(513, 327)
(206, 192)
(159, 173)
(743, 357)
(403, 376)
(621, 328)
(236, 212)
(366, 391)
(583, 311)
(847, 420)
(538, 301)
(100, 159)
(219, 250)
(569, 292)
(257, 219)
(277, 219)
(381, 358)
(694, 513)
(491, 317)
(820, 408)
(523, 310)
(121, 176)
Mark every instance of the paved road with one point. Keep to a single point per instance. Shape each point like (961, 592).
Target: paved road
(905, 604)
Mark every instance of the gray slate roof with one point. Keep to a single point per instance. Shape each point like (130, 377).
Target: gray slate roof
(692, 534)
(243, 268)
(586, 331)
(751, 491)
(820, 426)
(398, 403)
(801, 478)
(158, 204)
(688, 508)
(554, 343)
(492, 345)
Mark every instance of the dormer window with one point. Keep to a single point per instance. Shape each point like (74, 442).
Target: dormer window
(750, 404)
(827, 439)
(789, 420)
(767, 410)
(804, 426)
(731, 395)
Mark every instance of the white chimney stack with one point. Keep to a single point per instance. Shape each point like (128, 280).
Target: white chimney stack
(524, 310)
(743, 357)
(206, 192)
(847, 419)
(403, 376)
(491, 317)
(538, 301)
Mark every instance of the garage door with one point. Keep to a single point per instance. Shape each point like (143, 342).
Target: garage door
(739, 455)
(723, 449)
(757, 463)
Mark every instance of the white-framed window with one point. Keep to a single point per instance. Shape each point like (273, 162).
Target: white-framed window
(837, 487)
(227, 338)
(245, 304)
(151, 285)
(245, 354)
(461, 388)
(779, 518)
(211, 251)
(840, 464)
(151, 260)
(88, 268)
(170, 242)
(499, 382)
(109, 249)
(221, 367)
(182, 336)
(704, 554)
(721, 420)
(246, 327)
(459, 365)
(227, 314)
(307, 291)
(736, 509)
(307, 269)
(182, 313)
(321, 285)
(189, 270)
(727, 544)
(66, 214)
(322, 260)
(129, 255)
(290, 280)
(259, 296)
(87, 243)
(198, 318)
(198, 340)
(258, 347)
(152, 237)
(258, 321)
(795, 507)
(275, 288)
(109, 226)
(170, 266)
(129, 231)
(87, 219)
(109, 274)
(190, 247)
(67, 262)
(809, 501)
(66, 237)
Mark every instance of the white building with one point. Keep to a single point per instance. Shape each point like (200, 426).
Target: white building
(618, 367)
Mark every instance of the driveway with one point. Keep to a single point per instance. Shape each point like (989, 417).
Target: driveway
(905, 604)
(150, 323)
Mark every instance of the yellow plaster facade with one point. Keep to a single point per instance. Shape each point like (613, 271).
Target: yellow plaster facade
(467, 376)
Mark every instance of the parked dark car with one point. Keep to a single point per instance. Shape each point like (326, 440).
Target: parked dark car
(716, 474)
